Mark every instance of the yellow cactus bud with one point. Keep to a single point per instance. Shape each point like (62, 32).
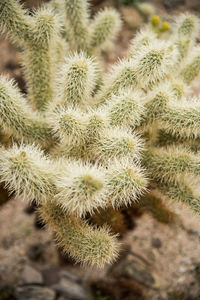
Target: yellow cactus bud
(155, 20)
(165, 26)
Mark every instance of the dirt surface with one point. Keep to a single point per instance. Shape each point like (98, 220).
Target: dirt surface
(170, 254)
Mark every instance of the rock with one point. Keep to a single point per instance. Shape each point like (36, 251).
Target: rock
(134, 268)
(172, 4)
(32, 292)
(185, 294)
(70, 289)
(30, 276)
(2, 268)
(156, 243)
(131, 17)
(7, 242)
(36, 252)
(182, 269)
(192, 231)
(193, 4)
(51, 275)
(70, 276)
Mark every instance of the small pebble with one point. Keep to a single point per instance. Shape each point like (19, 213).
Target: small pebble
(156, 243)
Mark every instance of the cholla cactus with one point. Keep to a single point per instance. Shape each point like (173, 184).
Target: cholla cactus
(75, 141)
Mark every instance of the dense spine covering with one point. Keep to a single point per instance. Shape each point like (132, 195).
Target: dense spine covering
(78, 150)
(167, 164)
(125, 109)
(191, 70)
(154, 62)
(38, 56)
(15, 21)
(77, 80)
(87, 245)
(77, 15)
(121, 76)
(104, 27)
(17, 119)
(27, 172)
(187, 27)
(81, 188)
(125, 181)
(143, 38)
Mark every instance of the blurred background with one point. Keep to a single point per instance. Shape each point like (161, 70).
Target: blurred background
(160, 254)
